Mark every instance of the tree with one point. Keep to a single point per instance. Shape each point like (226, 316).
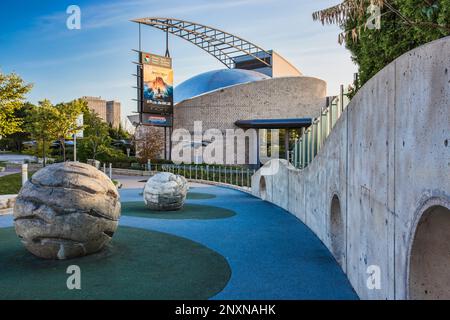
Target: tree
(118, 133)
(15, 141)
(149, 143)
(40, 122)
(12, 95)
(66, 120)
(405, 25)
(96, 138)
(99, 138)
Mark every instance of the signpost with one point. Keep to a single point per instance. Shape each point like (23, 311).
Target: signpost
(155, 92)
(78, 134)
(24, 173)
(157, 84)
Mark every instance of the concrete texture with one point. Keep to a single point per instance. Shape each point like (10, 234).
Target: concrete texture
(385, 163)
(432, 233)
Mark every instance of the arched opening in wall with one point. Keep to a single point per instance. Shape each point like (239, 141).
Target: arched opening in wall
(262, 188)
(337, 230)
(429, 267)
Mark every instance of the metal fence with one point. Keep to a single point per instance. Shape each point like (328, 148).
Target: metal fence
(237, 176)
(312, 138)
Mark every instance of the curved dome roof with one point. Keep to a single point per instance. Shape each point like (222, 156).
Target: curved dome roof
(214, 80)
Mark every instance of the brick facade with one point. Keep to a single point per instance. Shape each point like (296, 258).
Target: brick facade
(277, 98)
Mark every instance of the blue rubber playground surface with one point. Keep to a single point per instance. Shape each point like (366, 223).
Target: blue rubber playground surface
(272, 254)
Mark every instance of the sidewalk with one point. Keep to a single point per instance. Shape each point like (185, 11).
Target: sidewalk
(9, 171)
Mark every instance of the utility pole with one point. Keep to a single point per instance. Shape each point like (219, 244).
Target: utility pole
(74, 148)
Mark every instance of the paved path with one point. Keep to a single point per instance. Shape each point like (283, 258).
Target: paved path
(272, 254)
(9, 171)
(17, 158)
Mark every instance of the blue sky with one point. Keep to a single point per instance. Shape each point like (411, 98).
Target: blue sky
(97, 59)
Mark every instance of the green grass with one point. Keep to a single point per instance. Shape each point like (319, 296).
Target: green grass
(199, 196)
(137, 264)
(189, 211)
(11, 183)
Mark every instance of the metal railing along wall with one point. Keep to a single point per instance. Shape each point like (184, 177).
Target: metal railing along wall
(312, 138)
(237, 176)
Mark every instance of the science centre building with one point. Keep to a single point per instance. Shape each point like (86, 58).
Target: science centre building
(258, 89)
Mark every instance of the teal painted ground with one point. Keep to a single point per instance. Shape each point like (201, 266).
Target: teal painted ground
(272, 254)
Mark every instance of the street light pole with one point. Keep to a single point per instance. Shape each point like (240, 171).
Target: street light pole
(74, 148)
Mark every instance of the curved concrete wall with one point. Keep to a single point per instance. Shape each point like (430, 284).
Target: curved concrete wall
(292, 97)
(387, 161)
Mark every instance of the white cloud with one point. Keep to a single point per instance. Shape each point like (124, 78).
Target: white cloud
(110, 14)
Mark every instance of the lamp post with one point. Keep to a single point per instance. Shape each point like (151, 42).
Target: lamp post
(74, 148)
(79, 132)
(24, 173)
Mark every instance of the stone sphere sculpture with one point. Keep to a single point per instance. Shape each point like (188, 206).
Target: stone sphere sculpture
(66, 210)
(165, 192)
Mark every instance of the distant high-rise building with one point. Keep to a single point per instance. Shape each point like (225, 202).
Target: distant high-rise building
(113, 113)
(109, 111)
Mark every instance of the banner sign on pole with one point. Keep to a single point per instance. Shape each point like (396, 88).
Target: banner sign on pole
(157, 84)
(156, 120)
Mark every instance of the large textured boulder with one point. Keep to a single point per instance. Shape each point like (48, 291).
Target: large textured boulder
(94, 163)
(7, 201)
(165, 192)
(66, 210)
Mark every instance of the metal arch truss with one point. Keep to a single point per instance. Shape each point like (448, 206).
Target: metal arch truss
(224, 46)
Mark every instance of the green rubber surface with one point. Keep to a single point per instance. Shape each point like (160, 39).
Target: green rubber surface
(189, 211)
(138, 264)
(199, 196)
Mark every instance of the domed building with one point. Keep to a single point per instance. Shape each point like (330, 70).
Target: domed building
(242, 95)
(259, 90)
(214, 80)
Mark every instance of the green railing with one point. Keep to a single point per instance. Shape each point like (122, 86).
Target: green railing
(237, 176)
(312, 138)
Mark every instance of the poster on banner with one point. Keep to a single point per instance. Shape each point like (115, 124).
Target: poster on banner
(157, 84)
